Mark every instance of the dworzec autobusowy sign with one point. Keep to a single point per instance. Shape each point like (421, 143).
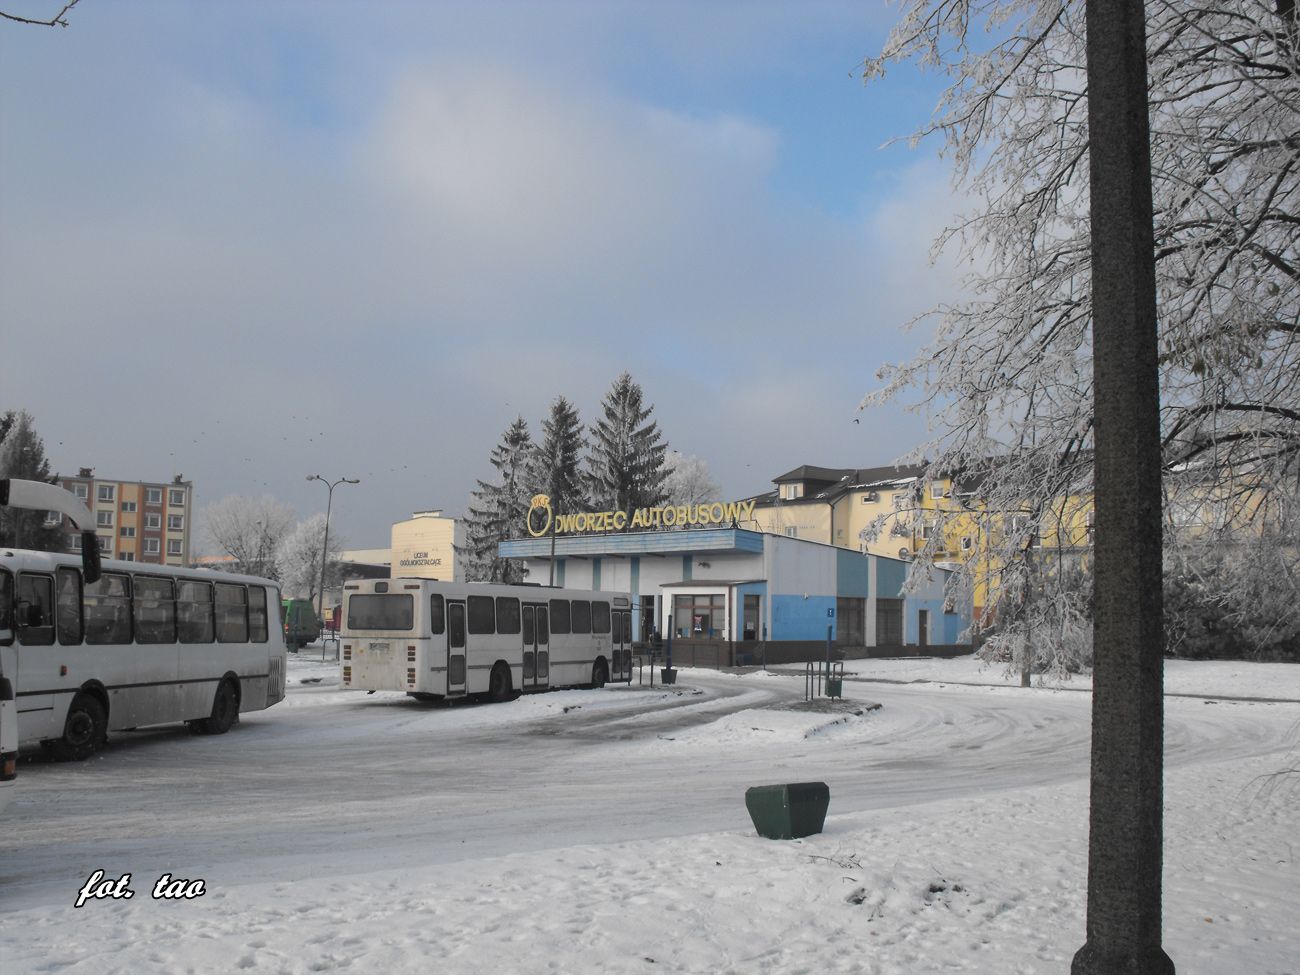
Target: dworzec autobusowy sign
(541, 518)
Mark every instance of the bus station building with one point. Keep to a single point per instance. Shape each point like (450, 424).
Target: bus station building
(730, 595)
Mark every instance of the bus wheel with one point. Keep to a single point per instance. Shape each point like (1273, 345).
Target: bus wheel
(499, 683)
(85, 731)
(225, 711)
(599, 674)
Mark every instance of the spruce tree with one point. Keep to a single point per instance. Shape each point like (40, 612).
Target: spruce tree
(555, 471)
(22, 455)
(498, 509)
(626, 462)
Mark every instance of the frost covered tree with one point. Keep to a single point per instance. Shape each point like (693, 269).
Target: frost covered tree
(498, 509)
(1007, 376)
(555, 469)
(249, 530)
(22, 455)
(688, 480)
(298, 558)
(625, 462)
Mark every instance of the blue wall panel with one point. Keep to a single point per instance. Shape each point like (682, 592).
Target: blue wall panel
(890, 576)
(853, 574)
(796, 618)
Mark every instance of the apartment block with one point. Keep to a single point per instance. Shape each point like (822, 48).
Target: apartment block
(136, 521)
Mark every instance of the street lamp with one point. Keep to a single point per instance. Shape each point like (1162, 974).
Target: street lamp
(325, 545)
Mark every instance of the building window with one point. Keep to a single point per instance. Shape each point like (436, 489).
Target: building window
(53, 519)
(965, 543)
(104, 519)
(127, 531)
(176, 497)
(127, 556)
(175, 523)
(80, 491)
(900, 501)
(936, 490)
(173, 546)
(151, 546)
(152, 522)
(105, 544)
(792, 532)
(153, 495)
(128, 506)
(106, 492)
(700, 616)
(74, 542)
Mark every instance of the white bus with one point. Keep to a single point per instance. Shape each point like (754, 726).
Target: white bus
(90, 649)
(439, 640)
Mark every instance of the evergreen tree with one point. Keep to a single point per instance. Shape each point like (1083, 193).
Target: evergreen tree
(22, 455)
(626, 462)
(555, 471)
(498, 510)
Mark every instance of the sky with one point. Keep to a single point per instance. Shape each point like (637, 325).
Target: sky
(250, 242)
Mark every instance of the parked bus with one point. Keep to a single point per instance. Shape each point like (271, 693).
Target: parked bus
(439, 640)
(92, 648)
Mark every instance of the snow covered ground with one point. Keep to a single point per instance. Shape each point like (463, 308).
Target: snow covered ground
(606, 831)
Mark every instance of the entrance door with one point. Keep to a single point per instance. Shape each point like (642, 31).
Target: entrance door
(923, 626)
(455, 647)
(622, 645)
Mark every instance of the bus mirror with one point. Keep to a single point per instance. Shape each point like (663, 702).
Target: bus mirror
(89, 558)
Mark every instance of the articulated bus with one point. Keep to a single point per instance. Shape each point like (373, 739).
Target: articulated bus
(438, 640)
(91, 648)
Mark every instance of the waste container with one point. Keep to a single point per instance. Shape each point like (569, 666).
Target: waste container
(669, 675)
(786, 812)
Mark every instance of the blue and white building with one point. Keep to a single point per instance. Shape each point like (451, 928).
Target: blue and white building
(742, 592)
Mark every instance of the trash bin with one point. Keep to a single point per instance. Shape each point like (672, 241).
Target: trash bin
(834, 687)
(786, 812)
(669, 675)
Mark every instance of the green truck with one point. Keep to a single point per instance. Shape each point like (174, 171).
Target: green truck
(301, 624)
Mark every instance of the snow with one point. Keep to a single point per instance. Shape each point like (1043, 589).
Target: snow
(605, 830)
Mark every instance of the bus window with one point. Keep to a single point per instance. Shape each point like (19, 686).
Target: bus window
(257, 614)
(599, 616)
(507, 614)
(194, 620)
(35, 605)
(581, 619)
(383, 611)
(6, 606)
(529, 631)
(543, 635)
(617, 636)
(108, 609)
(482, 616)
(437, 615)
(232, 613)
(559, 616)
(155, 610)
(455, 630)
(68, 608)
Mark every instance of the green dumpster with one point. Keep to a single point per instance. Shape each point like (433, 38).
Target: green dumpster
(786, 812)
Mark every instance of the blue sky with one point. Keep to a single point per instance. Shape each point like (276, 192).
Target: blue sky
(247, 242)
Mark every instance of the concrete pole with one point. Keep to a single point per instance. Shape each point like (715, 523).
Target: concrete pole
(1125, 824)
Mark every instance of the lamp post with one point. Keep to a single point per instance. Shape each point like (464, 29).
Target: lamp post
(325, 545)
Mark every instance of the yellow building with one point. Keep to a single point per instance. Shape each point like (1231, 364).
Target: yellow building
(424, 547)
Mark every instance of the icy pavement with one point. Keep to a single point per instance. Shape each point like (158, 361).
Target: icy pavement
(606, 831)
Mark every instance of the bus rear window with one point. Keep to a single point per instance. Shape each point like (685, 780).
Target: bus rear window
(392, 611)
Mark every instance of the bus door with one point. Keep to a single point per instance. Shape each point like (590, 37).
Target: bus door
(455, 647)
(622, 645)
(537, 650)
